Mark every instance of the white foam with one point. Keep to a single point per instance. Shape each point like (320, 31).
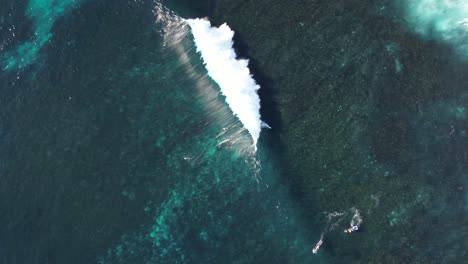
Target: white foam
(231, 74)
(446, 20)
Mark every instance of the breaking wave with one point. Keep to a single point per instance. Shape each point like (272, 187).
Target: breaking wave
(215, 45)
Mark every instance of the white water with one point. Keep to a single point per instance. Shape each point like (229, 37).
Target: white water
(446, 20)
(231, 74)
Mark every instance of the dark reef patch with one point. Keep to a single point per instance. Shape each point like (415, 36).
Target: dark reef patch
(355, 90)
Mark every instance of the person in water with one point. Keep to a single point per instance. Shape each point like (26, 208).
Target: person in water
(352, 229)
(317, 246)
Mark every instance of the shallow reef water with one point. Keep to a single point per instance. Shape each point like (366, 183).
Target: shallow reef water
(42, 14)
(116, 146)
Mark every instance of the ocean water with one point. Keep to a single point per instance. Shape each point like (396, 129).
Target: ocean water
(129, 134)
(368, 108)
(444, 20)
(117, 147)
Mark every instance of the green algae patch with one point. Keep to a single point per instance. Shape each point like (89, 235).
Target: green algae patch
(43, 13)
(203, 235)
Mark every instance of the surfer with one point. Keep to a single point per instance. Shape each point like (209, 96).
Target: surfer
(351, 229)
(355, 221)
(317, 246)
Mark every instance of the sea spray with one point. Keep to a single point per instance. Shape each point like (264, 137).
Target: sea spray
(333, 221)
(215, 45)
(177, 38)
(445, 20)
(356, 220)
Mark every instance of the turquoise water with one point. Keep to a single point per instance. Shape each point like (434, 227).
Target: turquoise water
(116, 146)
(42, 14)
(442, 20)
(130, 153)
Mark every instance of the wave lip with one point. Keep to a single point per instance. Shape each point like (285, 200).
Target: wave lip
(215, 45)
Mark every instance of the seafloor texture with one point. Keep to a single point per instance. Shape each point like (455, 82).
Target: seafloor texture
(372, 115)
(117, 147)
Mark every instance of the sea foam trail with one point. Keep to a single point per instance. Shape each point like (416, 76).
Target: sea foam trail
(232, 75)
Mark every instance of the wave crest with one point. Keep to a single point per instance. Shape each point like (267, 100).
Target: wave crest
(215, 45)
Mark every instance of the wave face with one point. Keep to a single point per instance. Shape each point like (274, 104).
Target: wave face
(231, 74)
(445, 20)
(209, 212)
